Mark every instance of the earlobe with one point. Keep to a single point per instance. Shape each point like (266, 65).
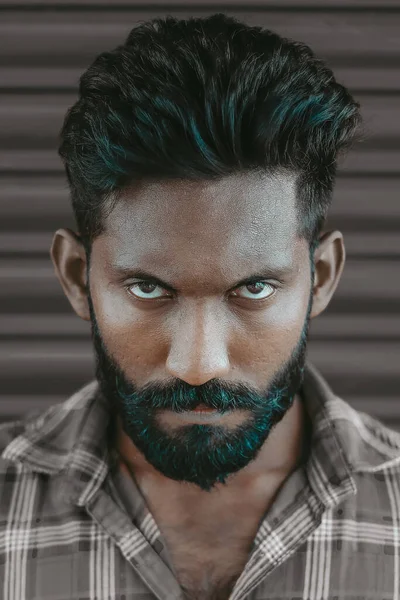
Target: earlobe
(68, 256)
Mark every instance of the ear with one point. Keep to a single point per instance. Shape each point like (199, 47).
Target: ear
(69, 260)
(329, 259)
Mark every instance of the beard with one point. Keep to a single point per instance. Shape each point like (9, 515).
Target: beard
(199, 454)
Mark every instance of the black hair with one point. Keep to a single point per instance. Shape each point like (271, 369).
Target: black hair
(205, 98)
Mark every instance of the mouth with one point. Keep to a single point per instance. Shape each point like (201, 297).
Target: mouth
(202, 409)
(201, 413)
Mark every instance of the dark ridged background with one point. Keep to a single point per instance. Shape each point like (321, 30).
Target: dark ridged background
(45, 349)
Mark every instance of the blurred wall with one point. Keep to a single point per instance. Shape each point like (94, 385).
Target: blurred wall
(45, 349)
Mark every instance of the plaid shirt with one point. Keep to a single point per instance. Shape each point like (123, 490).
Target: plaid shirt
(73, 527)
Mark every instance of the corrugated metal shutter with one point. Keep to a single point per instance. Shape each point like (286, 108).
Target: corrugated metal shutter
(45, 349)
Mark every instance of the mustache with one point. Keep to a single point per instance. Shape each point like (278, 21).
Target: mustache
(181, 397)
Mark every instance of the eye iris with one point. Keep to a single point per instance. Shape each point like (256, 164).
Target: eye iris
(144, 284)
(256, 284)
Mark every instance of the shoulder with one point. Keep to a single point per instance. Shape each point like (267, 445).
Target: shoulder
(16, 433)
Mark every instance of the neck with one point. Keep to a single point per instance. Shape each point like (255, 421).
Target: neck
(285, 450)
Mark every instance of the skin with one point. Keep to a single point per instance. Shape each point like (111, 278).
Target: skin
(208, 336)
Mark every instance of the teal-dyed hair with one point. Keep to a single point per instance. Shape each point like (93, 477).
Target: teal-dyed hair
(205, 98)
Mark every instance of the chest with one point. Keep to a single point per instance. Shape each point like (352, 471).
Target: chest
(207, 571)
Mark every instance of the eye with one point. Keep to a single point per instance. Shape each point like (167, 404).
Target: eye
(145, 286)
(254, 288)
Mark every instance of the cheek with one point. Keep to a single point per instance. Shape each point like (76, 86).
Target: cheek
(268, 337)
(132, 336)
(114, 308)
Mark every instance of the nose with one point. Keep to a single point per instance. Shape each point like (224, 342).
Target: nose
(198, 350)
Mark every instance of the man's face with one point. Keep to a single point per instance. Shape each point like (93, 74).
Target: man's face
(210, 340)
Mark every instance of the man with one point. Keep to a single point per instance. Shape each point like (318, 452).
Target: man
(207, 459)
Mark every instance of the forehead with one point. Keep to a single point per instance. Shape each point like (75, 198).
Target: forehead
(246, 217)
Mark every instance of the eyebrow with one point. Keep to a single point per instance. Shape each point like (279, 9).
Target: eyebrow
(265, 273)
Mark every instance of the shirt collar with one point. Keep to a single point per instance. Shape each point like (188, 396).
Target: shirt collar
(70, 441)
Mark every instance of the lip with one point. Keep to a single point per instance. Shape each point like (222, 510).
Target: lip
(202, 409)
(198, 415)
